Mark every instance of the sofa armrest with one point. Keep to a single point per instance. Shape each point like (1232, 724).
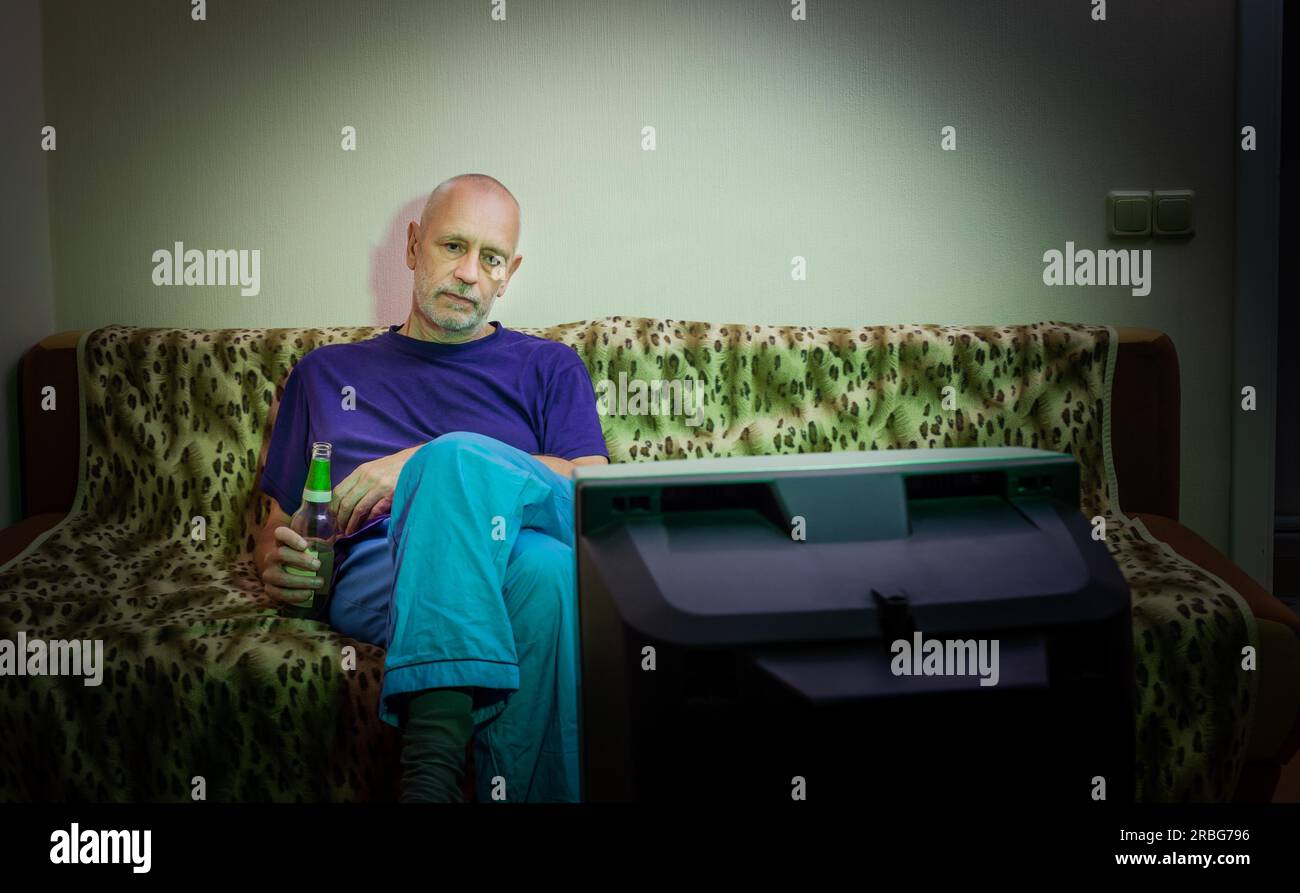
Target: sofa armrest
(1144, 428)
(1276, 736)
(49, 445)
(16, 537)
(1145, 400)
(1263, 604)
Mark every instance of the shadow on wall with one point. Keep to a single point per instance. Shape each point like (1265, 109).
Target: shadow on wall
(390, 280)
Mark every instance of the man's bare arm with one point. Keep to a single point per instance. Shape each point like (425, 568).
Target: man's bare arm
(565, 466)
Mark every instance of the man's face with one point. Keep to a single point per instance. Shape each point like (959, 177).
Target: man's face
(463, 257)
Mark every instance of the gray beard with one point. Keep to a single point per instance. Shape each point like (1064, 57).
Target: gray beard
(460, 322)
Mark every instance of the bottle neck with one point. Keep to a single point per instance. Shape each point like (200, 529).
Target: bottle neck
(319, 488)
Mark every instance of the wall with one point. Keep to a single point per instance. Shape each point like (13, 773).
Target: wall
(775, 138)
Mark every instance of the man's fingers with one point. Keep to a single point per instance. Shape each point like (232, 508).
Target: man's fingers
(279, 584)
(363, 508)
(348, 506)
(274, 577)
(292, 596)
(343, 489)
(289, 538)
(297, 557)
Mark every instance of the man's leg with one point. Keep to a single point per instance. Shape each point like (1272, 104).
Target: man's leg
(530, 751)
(458, 510)
(438, 729)
(363, 588)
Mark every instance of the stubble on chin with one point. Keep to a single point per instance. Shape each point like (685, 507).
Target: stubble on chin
(466, 320)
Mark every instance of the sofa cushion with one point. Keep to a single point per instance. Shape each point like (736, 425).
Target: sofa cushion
(206, 680)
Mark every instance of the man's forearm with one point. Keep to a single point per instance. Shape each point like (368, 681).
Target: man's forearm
(556, 464)
(566, 466)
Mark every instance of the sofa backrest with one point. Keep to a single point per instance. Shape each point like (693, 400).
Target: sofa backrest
(1145, 433)
(177, 420)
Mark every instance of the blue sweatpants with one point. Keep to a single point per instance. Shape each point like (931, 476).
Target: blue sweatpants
(475, 586)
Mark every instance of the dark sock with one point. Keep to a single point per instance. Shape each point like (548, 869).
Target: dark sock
(438, 729)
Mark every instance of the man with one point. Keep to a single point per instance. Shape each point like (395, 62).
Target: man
(453, 453)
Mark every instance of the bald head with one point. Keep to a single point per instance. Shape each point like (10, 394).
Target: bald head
(469, 188)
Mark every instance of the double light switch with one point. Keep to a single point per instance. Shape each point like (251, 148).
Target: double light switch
(1164, 212)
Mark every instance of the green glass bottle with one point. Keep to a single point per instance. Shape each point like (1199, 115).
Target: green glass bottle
(315, 522)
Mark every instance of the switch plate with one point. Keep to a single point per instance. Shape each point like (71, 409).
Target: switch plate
(1128, 212)
(1173, 212)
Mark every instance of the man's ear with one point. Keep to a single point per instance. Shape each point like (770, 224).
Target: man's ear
(505, 280)
(412, 243)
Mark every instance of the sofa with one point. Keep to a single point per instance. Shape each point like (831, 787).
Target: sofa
(141, 450)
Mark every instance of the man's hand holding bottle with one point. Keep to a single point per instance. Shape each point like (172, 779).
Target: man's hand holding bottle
(282, 585)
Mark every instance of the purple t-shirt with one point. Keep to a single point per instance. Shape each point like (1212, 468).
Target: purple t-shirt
(525, 391)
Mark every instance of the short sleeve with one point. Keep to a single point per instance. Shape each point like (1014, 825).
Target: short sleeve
(570, 423)
(285, 472)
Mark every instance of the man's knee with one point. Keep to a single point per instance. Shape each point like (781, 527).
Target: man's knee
(450, 449)
(454, 443)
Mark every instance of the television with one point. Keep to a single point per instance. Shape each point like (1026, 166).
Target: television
(850, 627)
